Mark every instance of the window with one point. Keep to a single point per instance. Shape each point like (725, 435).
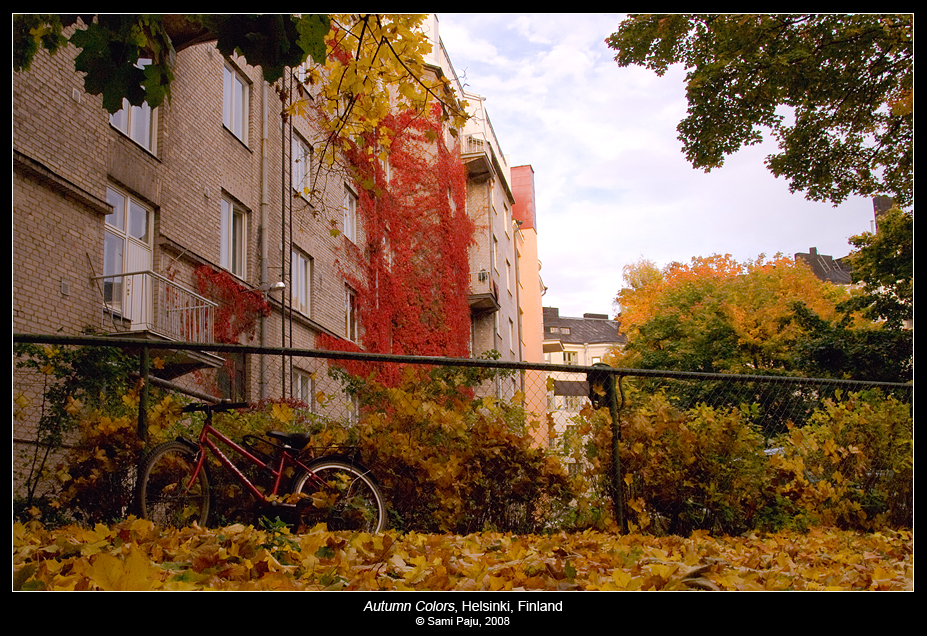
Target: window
(304, 387)
(495, 253)
(570, 357)
(350, 215)
(511, 336)
(301, 282)
(508, 276)
(231, 378)
(350, 314)
(301, 168)
(233, 231)
(235, 103)
(573, 403)
(126, 249)
(137, 122)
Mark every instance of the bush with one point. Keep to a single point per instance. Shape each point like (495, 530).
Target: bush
(450, 461)
(852, 466)
(699, 469)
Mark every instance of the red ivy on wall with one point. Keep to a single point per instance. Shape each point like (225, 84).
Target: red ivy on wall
(239, 308)
(414, 264)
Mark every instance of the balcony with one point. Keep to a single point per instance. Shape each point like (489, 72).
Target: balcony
(149, 306)
(483, 294)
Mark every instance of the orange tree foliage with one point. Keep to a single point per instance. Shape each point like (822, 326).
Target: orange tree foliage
(414, 261)
(717, 315)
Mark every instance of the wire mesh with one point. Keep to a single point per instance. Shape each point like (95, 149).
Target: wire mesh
(464, 445)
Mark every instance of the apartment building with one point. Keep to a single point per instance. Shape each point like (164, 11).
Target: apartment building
(582, 342)
(495, 296)
(119, 219)
(127, 224)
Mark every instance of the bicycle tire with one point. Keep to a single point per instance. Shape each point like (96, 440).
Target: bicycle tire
(163, 495)
(350, 499)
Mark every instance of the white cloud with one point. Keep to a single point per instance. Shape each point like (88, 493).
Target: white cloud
(611, 182)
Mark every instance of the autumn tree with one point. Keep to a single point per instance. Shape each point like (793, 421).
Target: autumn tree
(883, 262)
(717, 315)
(835, 91)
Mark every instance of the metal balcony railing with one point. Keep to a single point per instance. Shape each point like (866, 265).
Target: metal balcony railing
(148, 302)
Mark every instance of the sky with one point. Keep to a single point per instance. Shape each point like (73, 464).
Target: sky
(611, 183)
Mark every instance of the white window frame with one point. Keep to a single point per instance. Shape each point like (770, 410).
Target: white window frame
(138, 123)
(350, 214)
(233, 236)
(235, 102)
(122, 228)
(494, 256)
(350, 314)
(301, 166)
(304, 387)
(571, 357)
(301, 282)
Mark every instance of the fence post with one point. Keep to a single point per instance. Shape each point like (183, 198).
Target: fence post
(143, 396)
(617, 492)
(603, 393)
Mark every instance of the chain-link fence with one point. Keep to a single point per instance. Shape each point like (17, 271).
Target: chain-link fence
(476, 444)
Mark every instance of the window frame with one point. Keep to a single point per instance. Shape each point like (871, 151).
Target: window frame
(301, 165)
(303, 386)
(236, 91)
(301, 266)
(351, 326)
(126, 120)
(350, 214)
(233, 239)
(119, 229)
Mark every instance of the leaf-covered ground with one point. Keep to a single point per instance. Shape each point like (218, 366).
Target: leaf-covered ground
(134, 555)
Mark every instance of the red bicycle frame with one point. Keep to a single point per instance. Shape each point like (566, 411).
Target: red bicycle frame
(286, 457)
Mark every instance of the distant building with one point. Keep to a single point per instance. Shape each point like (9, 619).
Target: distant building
(574, 341)
(827, 268)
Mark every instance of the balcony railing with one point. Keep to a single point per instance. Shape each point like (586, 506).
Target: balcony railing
(484, 292)
(148, 302)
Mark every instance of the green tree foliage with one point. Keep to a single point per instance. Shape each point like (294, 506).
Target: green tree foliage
(884, 263)
(847, 79)
(112, 44)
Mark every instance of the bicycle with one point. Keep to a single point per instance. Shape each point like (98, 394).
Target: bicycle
(174, 479)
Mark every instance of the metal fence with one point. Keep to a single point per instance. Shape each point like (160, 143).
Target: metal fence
(472, 444)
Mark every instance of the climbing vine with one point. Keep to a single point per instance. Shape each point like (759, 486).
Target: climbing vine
(239, 307)
(411, 273)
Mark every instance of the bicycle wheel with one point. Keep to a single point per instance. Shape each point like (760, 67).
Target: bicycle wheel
(343, 495)
(166, 497)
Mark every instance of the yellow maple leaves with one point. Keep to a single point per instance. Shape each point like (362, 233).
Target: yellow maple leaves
(133, 555)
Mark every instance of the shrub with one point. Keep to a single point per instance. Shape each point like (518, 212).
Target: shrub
(449, 460)
(699, 469)
(852, 466)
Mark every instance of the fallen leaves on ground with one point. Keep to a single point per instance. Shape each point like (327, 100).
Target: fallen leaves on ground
(135, 555)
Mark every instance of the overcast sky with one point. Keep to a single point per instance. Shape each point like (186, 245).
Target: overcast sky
(611, 182)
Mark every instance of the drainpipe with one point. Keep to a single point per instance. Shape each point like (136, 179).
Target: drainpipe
(262, 237)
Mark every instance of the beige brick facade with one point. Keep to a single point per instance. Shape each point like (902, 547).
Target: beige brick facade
(211, 159)
(68, 155)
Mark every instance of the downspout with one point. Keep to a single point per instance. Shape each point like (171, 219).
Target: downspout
(262, 237)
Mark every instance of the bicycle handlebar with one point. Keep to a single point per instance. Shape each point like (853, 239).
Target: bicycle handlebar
(214, 408)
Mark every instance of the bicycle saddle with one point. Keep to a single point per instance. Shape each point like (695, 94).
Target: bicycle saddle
(292, 440)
